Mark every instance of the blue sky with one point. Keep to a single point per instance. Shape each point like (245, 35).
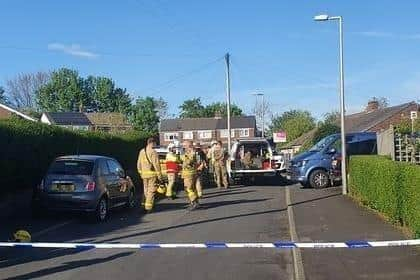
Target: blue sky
(173, 49)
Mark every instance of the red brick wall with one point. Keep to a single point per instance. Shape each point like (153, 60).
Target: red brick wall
(215, 136)
(394, 120)
(4, 114)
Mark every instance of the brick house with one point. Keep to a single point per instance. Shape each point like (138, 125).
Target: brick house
(113, 122)
(205, 130)
(375, 119)
(7, 111)
(108, 122)
(372, 119)
(69, 120)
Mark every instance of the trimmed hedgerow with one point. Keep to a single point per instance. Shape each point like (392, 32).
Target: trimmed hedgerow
(28, 148)
(390, 187)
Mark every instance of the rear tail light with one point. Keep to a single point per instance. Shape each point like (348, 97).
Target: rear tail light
(90, 187)
(274, 164)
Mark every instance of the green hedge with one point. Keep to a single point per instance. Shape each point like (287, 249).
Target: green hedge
(392, 188)
(28, 148)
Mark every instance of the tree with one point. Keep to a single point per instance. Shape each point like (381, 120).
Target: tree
(63, 93)
(162, 108)
(293, 122)
(68, 92)
(193, 108)
(3, 97)
(332, 117)
(24, 87)
(144, 116)
(215, 108)
(262, 112)
(382, 101)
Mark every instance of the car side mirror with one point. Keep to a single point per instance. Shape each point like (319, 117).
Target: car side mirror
(332, 151)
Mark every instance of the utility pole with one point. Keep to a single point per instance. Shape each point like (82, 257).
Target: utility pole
(227, 59)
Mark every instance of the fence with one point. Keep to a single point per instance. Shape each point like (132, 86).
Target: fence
(400, 147)
(407, 148)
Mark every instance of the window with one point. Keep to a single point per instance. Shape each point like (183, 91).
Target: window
(103, 168)
(224, 133)
(187, 135)
(170, 136)
(244, 132)
(205, 134)
(71, 167)
(114, 167)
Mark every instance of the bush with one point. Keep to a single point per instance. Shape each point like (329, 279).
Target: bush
(390, 187)
(28, 148)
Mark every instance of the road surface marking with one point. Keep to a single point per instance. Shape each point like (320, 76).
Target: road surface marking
(297, 256)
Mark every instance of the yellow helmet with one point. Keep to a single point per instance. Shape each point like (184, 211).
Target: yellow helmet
(22, 236)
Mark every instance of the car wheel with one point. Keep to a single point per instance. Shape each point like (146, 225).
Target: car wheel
(131, 199)
(101, 213)
(319, 179)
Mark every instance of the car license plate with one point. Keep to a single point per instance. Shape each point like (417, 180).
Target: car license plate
(62, 187)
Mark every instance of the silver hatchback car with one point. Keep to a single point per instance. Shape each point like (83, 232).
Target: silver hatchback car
(85, 183)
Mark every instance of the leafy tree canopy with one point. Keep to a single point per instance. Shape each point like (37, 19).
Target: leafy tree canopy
(193, 108)
(293, 122)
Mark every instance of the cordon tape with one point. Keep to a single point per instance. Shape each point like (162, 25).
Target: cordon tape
(216, 245)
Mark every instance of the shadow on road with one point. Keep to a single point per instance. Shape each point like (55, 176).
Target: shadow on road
(196, 223)
(213, 194)
(315, 199)
(68, 266)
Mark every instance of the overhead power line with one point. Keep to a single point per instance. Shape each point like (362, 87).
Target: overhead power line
(158, 88)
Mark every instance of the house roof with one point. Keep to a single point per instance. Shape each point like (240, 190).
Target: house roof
(107, 119)
(301, 139)
(10, 109)
(68, 118)
(364, 121)
(206, 123)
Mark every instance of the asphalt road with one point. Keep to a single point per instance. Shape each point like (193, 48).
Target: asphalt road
(238, 214)
(248, 214)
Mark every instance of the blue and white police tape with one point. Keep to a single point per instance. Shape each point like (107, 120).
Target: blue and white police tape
(221, 245)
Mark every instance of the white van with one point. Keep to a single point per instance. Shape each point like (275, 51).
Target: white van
(251, 158)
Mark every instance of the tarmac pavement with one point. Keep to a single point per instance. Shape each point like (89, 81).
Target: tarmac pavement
(239, 214)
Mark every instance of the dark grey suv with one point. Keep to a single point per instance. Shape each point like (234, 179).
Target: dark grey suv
(84, 183)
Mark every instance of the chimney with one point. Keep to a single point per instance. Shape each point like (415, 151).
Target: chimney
(373, 105)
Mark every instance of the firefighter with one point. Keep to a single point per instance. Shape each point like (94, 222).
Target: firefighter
(150, 172)
(172, 169)
(219, 161)
(210, 156)
(201, 169)
(189, 166)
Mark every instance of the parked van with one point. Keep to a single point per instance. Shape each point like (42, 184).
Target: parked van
(312, 168)
(251, 158)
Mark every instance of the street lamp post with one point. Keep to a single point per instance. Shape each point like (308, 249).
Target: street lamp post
(342, 105)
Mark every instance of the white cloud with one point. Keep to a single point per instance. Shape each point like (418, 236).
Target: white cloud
(72, 49)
